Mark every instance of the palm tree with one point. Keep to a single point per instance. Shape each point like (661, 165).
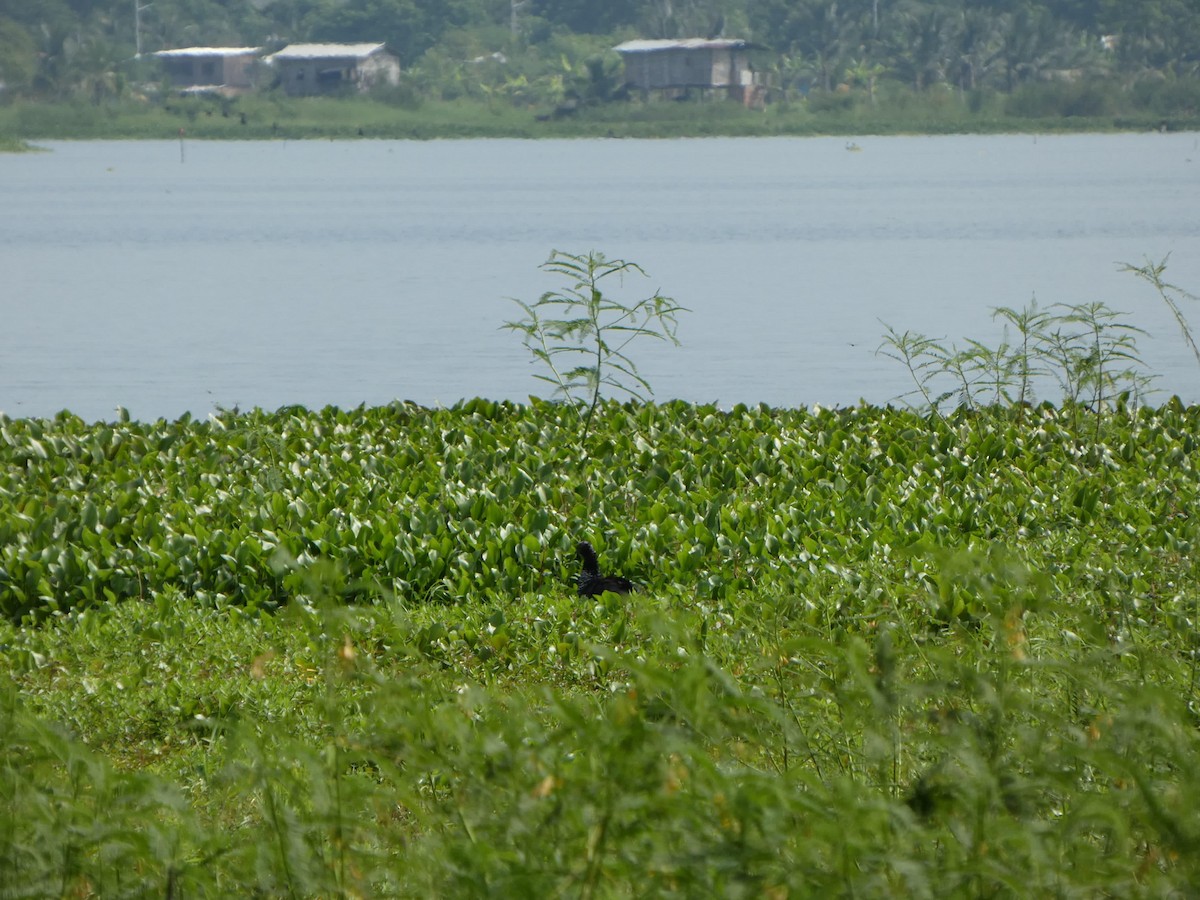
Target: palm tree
(1034, 43)
(920, 45)
(839, 35)
(975, 47)
(1159, 35)
(96, 65)
(865, 73)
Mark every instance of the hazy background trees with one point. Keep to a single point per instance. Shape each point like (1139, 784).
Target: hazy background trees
(84, 48)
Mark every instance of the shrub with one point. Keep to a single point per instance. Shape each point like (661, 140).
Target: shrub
(831, 101)
(1083, 98)
(1167, 96)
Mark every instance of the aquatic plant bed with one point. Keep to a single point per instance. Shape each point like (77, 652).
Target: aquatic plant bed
(340, 653)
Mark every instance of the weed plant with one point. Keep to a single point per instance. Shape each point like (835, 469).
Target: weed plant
(1085, 350)
(582, 336)
(1172, 295)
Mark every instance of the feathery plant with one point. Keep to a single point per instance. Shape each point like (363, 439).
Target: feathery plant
(921, 355)
(1030, 323)
(1171, 294)
(1085, 347)
(1094, 356)
(582, 336)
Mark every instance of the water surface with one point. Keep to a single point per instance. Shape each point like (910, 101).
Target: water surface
(271, 273)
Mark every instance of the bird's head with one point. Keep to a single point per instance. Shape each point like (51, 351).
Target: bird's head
(587, 556)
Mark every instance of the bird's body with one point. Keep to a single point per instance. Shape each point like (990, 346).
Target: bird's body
(591, 582)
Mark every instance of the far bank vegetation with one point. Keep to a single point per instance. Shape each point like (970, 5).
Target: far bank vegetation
(477, 67)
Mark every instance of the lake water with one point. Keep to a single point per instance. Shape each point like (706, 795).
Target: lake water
(168, 279)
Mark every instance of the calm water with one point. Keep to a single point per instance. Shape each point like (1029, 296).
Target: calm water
(264, 274)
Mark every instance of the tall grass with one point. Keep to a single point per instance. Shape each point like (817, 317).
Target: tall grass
(762, 746)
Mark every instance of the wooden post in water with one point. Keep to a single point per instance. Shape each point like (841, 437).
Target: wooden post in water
(181, 157)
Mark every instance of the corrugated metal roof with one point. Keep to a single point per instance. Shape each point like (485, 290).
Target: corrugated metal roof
(643, 46)
(208, 51)
(325, 51)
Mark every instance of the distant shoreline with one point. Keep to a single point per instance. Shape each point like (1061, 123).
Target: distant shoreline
(17, 145)
(267, 117)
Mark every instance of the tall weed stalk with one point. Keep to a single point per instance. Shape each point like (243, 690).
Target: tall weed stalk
(582, 335)
(1152, 274)
(1085, 348)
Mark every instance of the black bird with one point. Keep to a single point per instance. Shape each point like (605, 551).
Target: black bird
(591, 582)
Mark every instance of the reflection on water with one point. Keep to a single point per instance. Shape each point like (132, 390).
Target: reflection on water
(263, 274)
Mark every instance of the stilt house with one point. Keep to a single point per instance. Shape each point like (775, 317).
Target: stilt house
(328, 68)
(674, 66)
(215, 67)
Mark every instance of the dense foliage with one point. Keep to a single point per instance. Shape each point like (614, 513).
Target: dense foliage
(338, 653)
(488, 499)
(1087, 56)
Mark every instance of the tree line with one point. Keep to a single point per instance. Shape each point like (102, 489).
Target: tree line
(65, 48)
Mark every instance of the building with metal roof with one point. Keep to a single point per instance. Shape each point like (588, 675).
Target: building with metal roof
(210, 67)
(305, 69)
(675, 66)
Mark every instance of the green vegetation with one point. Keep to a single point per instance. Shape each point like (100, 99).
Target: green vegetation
(272, 117)
(483, 68)
(337, 653)
(587, 351)
(1170, 294)
(1085, 349)
(14, 145)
